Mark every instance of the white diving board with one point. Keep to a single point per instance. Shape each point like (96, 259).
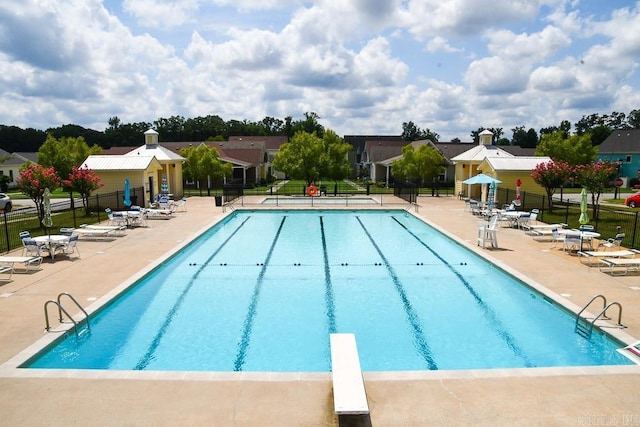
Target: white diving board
(349, 395)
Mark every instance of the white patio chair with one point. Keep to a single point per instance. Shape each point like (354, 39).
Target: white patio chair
(33, 248)
(612, 242)
(556, 237)
(572, 242)
(68, 248)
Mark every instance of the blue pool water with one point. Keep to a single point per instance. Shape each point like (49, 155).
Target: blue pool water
(262, 291)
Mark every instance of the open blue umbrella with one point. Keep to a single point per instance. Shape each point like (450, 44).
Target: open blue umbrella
(127, 191)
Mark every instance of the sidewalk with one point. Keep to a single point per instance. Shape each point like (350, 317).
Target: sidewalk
(501, 397)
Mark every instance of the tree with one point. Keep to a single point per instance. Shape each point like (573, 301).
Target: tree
(203, 163)
(299, 158)
(574, 149)
(309, 125)
(595, 177)
(83, 181)
(525, 139)
(421, 164)
(65, 153)
(33, 180)
(334, 162)
(411, 132)
(551, 175)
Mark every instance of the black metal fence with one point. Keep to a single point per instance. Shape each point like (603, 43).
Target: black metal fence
(65, 213)
(608, 220)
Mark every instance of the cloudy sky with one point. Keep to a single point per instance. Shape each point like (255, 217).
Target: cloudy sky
(364, 66)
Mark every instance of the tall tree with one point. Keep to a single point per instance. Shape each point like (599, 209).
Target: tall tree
(202, 163)
(525, 139)
(334, 163)
(411, 132)
(574, 150)
(65, 153)
(299, 158)
(421, 164)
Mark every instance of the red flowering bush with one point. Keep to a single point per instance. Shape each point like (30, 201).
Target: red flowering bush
(83, 181)
(33, 180)
(551, 176)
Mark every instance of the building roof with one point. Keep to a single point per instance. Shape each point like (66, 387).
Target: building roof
(379, 150)
(18, 159)
(519, 163)
(480, 152)
(125, 163)
(161, 153)
(451, 149)
(622, 141)
(272, 142)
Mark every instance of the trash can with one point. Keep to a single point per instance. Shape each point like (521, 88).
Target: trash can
(218, 200)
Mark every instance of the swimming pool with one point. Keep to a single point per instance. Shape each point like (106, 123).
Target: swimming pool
(262, 290)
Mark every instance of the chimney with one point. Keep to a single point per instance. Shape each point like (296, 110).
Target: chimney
(150, 138)
(486, 137)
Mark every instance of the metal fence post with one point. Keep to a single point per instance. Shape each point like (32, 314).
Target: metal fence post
(6, 230)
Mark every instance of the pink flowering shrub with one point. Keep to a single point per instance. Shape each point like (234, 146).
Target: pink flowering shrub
(83, 181)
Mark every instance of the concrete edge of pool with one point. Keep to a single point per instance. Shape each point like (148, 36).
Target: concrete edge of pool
(535, 396)
(12, 367)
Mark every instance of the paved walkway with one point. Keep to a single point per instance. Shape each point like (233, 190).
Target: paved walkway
(543, 396)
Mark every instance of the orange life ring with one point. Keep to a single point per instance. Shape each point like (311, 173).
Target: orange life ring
(312, 190)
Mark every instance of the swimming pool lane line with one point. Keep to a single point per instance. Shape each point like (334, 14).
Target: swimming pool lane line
(508, 339)
(328, 294)
(414, 320)
(251, 313)
(144, 361)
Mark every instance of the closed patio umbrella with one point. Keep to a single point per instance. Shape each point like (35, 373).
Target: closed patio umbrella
(584, 218)
(47, 220)
(127, 193)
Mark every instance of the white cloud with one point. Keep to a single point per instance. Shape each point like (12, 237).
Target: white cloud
(527, 47)
(495, 75)
(162, 13)
(440, 44)
(362, 65)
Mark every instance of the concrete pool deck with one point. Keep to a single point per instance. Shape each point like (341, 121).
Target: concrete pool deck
(542, 396)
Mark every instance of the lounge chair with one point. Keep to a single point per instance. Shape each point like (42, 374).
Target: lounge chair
(29, 262)
(542, 229)
(619, 266)
(592, 258)
(6, 269)
(120, 230)
(159, 213)
(94, 234)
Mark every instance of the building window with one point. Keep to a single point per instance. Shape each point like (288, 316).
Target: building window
(628, 159)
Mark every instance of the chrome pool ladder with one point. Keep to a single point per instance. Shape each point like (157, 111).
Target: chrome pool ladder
(62, 310)
(584, 327)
